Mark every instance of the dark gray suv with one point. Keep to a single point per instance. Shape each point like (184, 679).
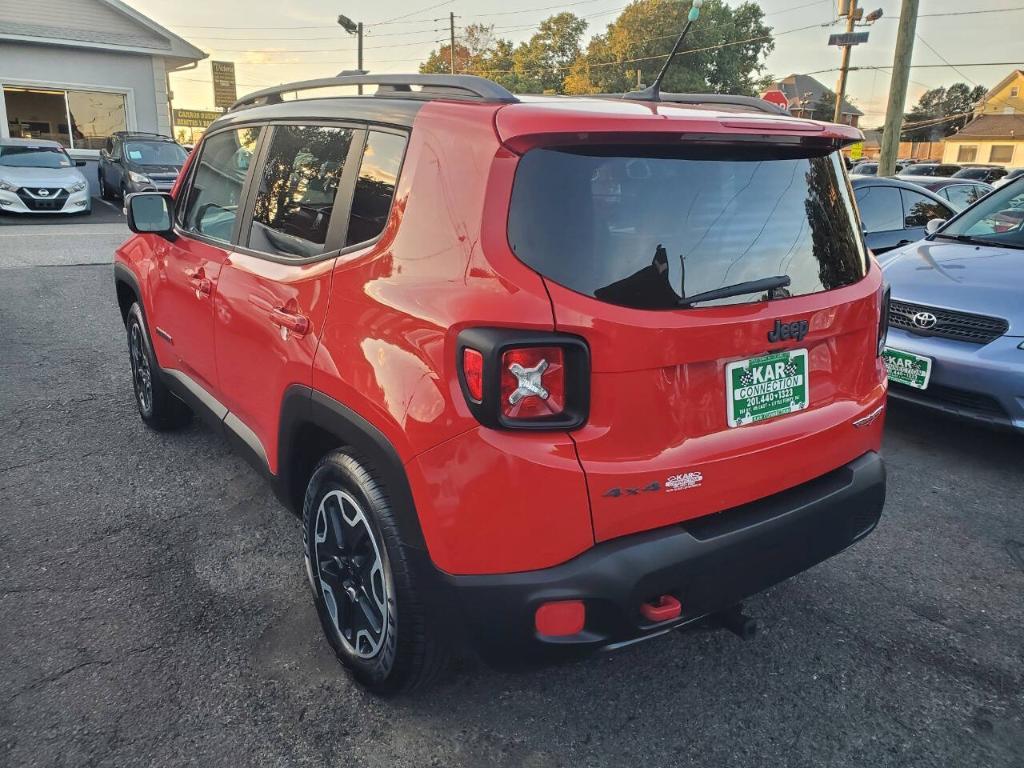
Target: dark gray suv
(139, 162)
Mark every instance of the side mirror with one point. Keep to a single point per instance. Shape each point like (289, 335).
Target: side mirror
(150, 212)
(80, 163)
(934, 226)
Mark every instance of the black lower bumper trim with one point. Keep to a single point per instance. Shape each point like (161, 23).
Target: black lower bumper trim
(709, 564)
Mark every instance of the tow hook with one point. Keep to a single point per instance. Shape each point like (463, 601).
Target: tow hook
(736, 621)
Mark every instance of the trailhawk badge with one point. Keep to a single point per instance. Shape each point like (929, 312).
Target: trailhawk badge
(765, 387)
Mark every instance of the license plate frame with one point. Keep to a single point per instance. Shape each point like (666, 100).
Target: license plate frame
(758, 389)
(905, 368)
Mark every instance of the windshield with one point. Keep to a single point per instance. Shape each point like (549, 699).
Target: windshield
(34, 157)
(155, 153)
(996, 218)
(647, 228)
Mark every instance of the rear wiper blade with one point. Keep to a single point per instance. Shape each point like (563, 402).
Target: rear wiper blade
(768, 284)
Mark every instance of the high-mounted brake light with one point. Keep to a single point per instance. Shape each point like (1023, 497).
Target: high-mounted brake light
(473, 371)
(516, 379)
(532, 382)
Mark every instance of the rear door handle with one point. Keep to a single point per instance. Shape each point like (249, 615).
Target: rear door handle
(290, 321)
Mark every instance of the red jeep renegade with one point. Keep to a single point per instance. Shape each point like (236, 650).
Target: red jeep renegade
(552, 375)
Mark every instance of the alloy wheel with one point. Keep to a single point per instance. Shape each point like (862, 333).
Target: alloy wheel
(350, 571)
(141, 374)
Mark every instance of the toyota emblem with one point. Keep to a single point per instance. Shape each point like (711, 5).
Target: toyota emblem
(44, 193)
(924, 320)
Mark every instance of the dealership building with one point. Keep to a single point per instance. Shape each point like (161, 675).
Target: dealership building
(75, 71)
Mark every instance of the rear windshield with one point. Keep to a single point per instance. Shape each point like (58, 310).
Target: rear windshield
(646, 229)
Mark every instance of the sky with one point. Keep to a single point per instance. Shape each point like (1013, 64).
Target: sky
(274, 42)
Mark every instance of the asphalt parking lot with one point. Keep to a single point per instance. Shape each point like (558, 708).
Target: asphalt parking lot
(154, 609)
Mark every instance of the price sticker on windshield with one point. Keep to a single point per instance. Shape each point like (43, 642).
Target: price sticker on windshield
(765, 387)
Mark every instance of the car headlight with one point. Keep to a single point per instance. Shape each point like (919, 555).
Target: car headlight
(78, 186)
(7, 186)
(139, 178)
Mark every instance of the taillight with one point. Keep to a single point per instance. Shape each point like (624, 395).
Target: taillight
(525, 379)
(883, 319)
(532, 382)
(473, 370)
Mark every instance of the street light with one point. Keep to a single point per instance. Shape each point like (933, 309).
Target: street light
(354, 28)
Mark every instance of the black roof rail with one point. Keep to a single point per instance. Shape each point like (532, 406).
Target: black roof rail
(721, 99)
(467, 87)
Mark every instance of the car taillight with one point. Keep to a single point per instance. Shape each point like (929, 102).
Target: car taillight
(532, 382)
(524, 379)
(883, 319)
(473, 370)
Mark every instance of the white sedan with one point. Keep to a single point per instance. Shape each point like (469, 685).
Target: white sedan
(38, 176)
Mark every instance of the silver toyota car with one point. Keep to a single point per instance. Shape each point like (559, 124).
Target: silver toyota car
(38, 176)
(956, 318)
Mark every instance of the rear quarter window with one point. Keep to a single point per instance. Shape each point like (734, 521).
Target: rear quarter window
(645, 228)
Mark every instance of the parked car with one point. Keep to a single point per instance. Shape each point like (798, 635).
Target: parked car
(956, 342)
(538, 379)
(959, 192)
(986, 173)
(138, 162)
(930, 169)
(1012, 175)
(870, 168)
(38, 176)
(895, 212)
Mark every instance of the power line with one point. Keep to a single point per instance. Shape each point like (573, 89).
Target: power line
(411, 13)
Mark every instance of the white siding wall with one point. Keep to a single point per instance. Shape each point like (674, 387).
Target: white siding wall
(84, 20)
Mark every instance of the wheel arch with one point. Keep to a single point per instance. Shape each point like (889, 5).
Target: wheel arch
(312, 425)
(128, 291)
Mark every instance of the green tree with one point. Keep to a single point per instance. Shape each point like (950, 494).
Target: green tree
(955, 102)
(472, 51)
(542, 63)
(826, 108)
(724, 52)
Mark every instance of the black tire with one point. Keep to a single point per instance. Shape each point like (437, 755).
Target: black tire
(104, 190)
(158, 407)
(406, 654)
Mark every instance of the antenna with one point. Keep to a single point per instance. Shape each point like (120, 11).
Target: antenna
(653, 92)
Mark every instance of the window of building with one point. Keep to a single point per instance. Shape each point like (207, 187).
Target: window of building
(1014, 93)
(77, 119)
(211, 204)
(1001, 153)
(375, 187)
(297, 189)
(967, 153)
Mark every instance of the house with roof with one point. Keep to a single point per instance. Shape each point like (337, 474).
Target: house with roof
(805, 94)
(75, 71)
(996, 133)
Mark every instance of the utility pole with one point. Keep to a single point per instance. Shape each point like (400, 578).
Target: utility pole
(898, 88)
(359, 55)
(844, 68)
(451, 49)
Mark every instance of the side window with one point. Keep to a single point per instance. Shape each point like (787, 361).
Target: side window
(375, 188)
(880, 208)
(918, 210)
(961, 195)
(297, 189)
(211, 203)
(115, 149)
